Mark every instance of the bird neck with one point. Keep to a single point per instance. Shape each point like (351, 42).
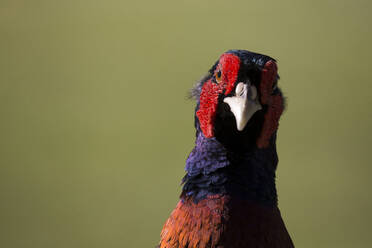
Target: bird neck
(212, 169)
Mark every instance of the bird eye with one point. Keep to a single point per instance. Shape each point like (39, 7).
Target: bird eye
(218, 76)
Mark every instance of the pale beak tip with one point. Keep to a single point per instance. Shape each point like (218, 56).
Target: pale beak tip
(242, 107)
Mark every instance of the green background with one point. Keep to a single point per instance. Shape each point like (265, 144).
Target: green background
(95, 126)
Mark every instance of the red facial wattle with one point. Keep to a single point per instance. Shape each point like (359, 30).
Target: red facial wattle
(229, 65)
(274, 103)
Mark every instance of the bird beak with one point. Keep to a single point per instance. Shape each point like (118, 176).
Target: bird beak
(244, 104)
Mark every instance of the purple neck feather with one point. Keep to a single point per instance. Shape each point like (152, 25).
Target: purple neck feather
(213, 169)
(207, 156)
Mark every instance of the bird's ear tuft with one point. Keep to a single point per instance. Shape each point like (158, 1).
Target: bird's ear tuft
(195, 91)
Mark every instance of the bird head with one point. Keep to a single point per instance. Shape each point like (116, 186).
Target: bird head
(238, 101)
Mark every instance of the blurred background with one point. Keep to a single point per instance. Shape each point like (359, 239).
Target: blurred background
(95, 125)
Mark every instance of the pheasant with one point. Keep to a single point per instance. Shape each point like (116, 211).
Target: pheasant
(229, 197)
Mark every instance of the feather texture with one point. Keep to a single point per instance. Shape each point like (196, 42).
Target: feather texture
(229, 197)
(224, 222)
